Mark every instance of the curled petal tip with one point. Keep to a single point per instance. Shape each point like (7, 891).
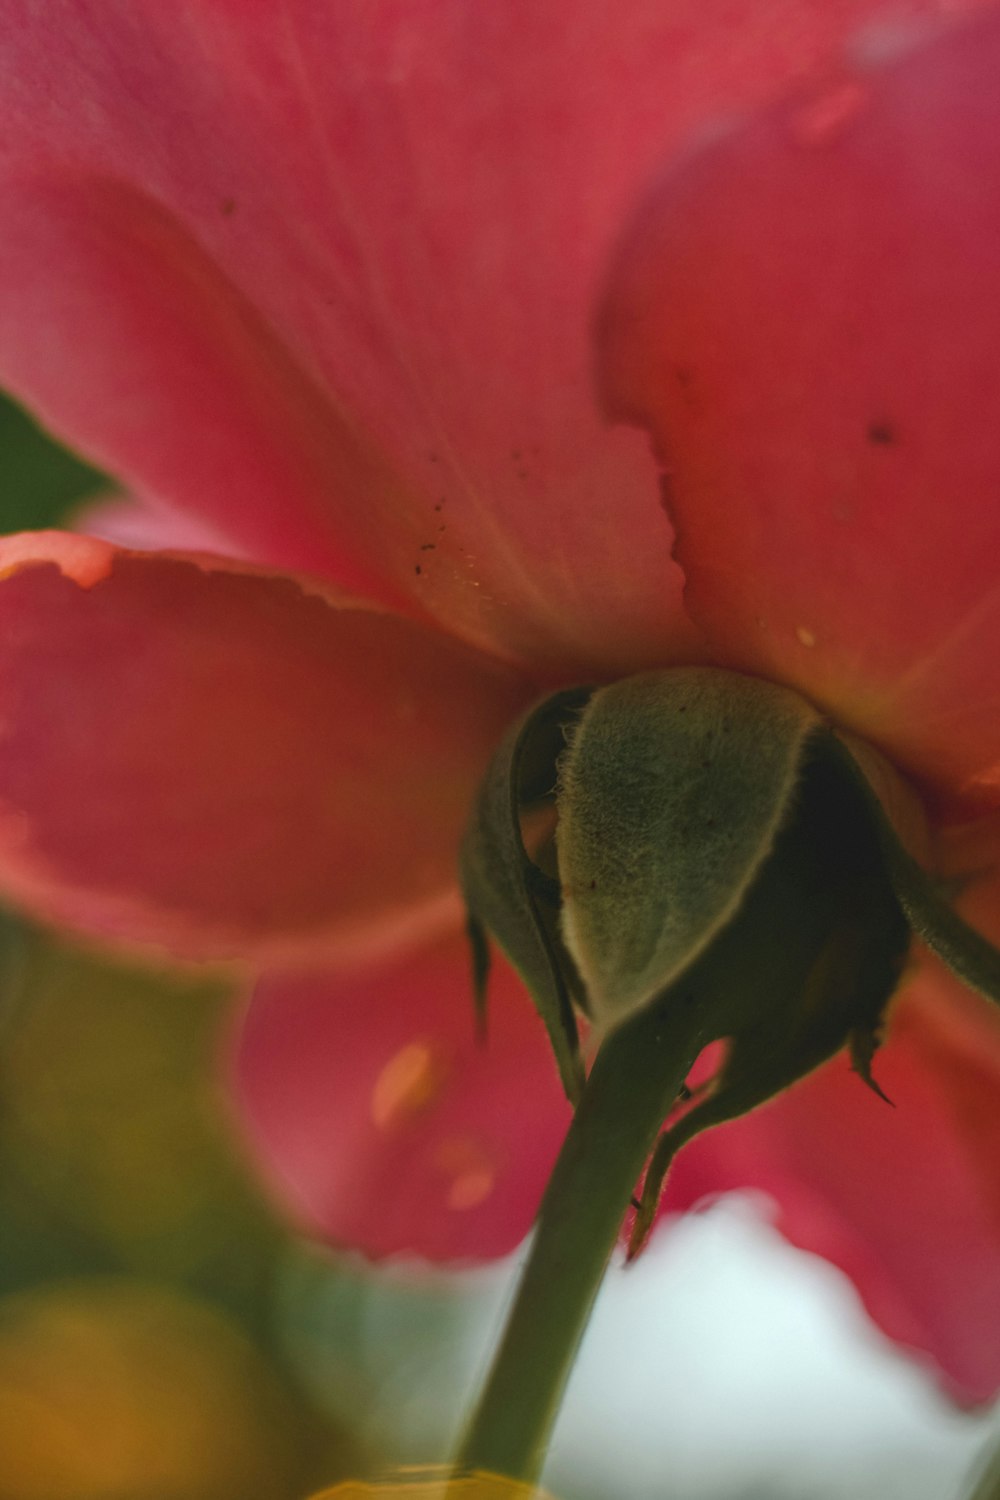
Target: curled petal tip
(86, 560)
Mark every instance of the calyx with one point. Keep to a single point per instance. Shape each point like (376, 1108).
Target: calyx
(701, 839)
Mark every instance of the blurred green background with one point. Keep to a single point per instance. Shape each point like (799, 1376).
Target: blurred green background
(138, 1353)
(40, 483)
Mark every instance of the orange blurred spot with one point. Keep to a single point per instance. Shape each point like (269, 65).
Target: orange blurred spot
(410, 1081)
(84, 559)
(471, 1189)
(111, 1389)
(435, 1484)
(472, 1171)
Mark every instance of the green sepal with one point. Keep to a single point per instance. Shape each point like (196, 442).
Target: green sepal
(925, 899)
(672, 791)
(807, 967)
(718, 846)
(511, 898)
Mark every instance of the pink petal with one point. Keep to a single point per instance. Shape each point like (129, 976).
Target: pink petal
(907, 1200)
(228, 762)
(807, 316)
(382, 1120)
(260, 263)
(154, 362)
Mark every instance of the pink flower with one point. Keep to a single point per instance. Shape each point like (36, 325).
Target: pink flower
(320, 286)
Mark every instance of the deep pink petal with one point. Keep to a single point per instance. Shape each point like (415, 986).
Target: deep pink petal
(226, 761)
(807, 316)
(905, 1200)
(382, 1120)
(261, 262)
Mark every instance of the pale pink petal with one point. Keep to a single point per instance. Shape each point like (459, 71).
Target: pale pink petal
(225, 761)
(263, 262)
(807, 315)
(384, 1123)
(143, 525)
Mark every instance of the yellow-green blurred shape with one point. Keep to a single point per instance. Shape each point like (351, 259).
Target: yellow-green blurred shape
(435, 1484)
(115, 1390)
(113, 1128)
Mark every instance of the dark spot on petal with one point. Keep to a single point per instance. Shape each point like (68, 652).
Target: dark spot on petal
(684, 376)
(667, 495)
(427, 546)
(418, 570)
(882, 433)
(227, 206)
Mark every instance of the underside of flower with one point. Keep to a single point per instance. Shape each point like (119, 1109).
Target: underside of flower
(713, 847)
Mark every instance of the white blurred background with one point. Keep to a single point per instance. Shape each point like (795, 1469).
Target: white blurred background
(723, 1366)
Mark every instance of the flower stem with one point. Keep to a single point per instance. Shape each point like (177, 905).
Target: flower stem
(632, 1088)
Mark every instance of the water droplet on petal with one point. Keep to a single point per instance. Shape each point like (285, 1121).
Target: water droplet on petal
(825, 117)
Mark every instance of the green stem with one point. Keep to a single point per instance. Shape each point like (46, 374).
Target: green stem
(987, 1478)
(632, 1087)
